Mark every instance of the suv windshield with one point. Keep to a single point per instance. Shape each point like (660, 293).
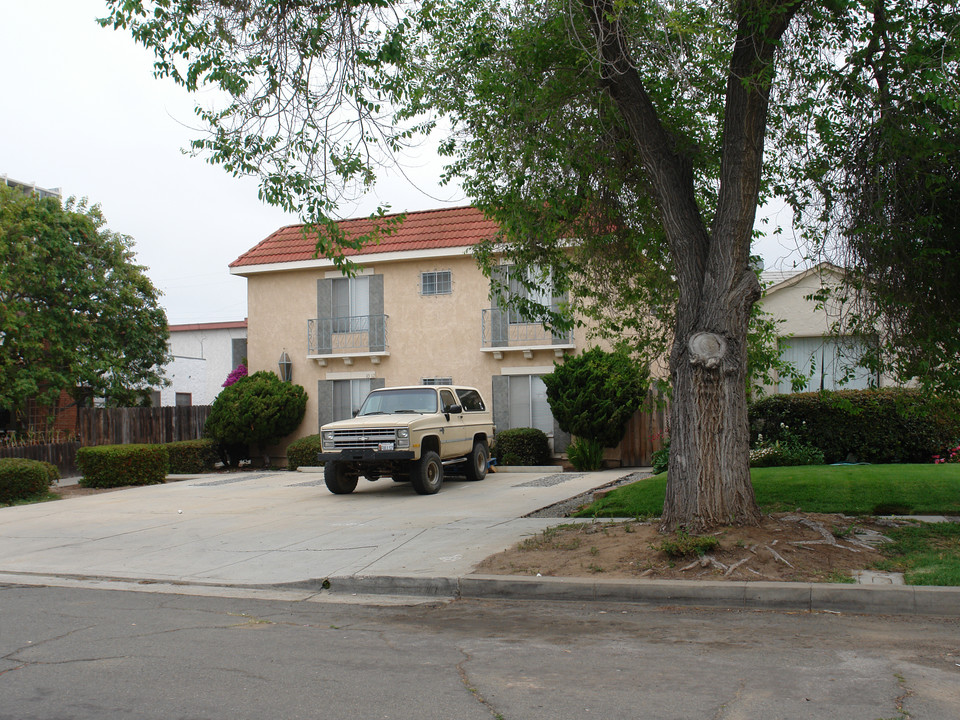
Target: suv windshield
(395, 401)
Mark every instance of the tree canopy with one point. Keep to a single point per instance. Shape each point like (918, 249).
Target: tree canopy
(76, 312)
(620, 146)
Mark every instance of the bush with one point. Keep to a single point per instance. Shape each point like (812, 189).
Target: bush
(595, 394)
(118, 465)
(585, 454)
(192, 456)
(303, 452)
(21, 478)
(785, 453)
(522, 446)
(258, 409)
(661, 457)
(876, 426)
(53, 472)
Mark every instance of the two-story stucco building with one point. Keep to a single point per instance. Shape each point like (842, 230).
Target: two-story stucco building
(419, 312)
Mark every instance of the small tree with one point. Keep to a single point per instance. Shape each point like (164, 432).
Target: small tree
(257, 409)
(594, 395)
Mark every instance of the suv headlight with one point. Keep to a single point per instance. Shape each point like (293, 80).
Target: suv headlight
(326, 438)
(403, 437)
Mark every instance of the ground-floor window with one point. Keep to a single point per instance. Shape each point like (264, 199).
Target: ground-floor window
(347, 397)
(828, 363)
(528, 403)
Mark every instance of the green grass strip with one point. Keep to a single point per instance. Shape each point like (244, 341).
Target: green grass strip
(926, 554)
(848, 489)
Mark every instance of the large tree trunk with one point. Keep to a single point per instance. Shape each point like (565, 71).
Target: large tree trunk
(709, 474)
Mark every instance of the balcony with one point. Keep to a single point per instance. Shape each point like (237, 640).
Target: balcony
(347, 339)
(502, 331)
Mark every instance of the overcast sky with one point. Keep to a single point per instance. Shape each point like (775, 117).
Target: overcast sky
(82, 112)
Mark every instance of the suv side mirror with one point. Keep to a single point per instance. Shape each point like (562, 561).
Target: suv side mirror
(454, 409)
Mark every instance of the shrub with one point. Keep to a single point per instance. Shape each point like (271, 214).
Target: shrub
(303, 452)
(876, 426)
(522, 446)
(21, 478)
(53, 472)
(257, 409)
(785, 453)
(192, 456)
(585, 454)
(118, 465)
(661, 457)
(595, 394)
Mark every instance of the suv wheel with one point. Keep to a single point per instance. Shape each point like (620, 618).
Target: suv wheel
(427, 475)
(337, 480)
(477, 461)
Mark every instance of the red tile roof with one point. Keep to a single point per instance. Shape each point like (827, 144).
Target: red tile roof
(425, 230)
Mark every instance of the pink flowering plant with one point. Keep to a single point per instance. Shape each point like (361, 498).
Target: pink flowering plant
(239, 372)
(951, 455)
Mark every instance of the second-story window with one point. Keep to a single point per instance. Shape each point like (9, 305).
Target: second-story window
(351, 304)
(438, 282)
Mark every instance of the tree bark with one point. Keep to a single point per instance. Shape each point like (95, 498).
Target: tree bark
(709, 473)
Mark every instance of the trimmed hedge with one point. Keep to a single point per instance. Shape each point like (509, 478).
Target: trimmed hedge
(21, 478)
(875, 426)
(522, 446)
(192, 456)
(118, 465)
(303, 452)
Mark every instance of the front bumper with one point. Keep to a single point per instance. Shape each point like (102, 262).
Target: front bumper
(366, 456)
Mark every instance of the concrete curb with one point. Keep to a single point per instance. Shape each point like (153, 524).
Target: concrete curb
(829, 597)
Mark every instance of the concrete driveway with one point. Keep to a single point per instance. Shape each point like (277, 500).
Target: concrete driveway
(268, 528)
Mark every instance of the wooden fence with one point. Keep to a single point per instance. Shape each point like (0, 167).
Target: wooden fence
(117, 426)
(62, 454)
(122, 426)
(644, 434)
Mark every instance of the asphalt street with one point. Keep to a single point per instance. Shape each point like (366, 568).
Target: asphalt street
(80, 654)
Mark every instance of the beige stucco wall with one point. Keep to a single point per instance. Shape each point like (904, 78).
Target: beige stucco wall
(801, 317)
(427, 336)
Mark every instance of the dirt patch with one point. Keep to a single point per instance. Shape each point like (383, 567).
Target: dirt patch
(72, 491)
(795, 547)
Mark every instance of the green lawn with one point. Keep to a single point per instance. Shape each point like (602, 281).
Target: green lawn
(848, 489)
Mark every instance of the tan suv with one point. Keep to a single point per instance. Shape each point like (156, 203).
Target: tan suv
(410, 434)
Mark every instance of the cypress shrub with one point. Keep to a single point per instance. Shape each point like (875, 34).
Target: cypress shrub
(117, 465)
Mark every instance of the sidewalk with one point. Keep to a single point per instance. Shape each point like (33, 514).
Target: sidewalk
(284, 534)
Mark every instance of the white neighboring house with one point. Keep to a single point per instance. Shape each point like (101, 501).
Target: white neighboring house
(202, 356)
(809, 343)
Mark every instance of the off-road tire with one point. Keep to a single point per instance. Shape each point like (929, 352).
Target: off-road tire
(476, 468)
(337, 480)
(427, 474)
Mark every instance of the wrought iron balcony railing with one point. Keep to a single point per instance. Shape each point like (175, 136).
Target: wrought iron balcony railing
(503, 329)
(347, 335)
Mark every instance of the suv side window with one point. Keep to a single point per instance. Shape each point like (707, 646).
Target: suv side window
(447, 399)
(470, 400)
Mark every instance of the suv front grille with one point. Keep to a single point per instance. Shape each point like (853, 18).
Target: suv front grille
(361, 439)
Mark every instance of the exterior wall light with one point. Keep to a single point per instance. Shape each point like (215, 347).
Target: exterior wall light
(286, 367)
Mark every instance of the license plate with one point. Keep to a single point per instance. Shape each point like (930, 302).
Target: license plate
(386, 446)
